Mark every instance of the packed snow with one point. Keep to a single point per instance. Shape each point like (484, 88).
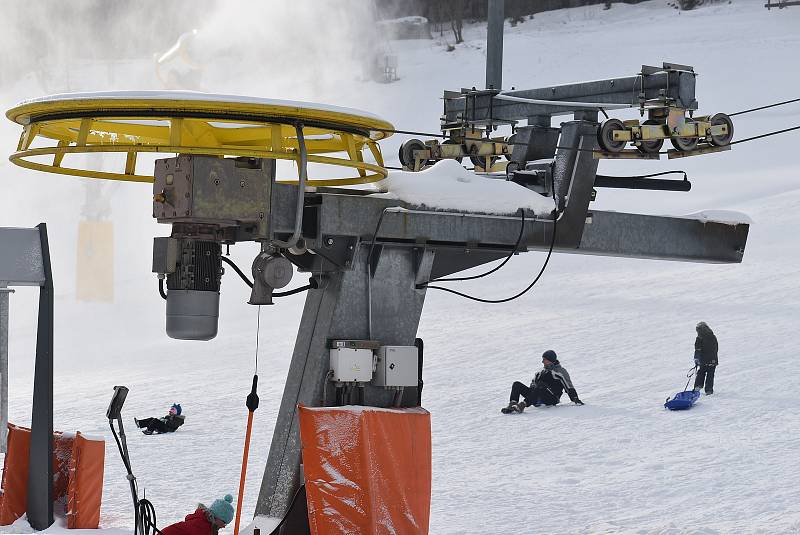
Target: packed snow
(447, 185)
(624, 329)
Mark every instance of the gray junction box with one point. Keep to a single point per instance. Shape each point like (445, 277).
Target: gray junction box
(397, 366)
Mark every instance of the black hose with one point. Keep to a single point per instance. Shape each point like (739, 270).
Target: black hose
(312, 285)
(237, 270)
(161, 289)
(503, 263)
(147, 513)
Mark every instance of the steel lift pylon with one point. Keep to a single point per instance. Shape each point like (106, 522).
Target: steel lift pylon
(368, 257)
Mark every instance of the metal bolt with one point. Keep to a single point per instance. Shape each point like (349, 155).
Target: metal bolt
(241, 184)
(216, 182)
(329, 241)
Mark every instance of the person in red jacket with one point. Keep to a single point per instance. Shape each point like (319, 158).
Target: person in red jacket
(205, 520)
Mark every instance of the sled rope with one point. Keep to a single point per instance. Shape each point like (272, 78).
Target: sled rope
(689, 376)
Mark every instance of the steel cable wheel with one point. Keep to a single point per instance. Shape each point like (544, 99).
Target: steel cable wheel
(650, 146)
(605, 136)
(723, 139)
(685, 144)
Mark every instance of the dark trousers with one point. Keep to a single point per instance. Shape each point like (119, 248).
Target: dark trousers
(154, 424)
(705, 374)
(533, 396)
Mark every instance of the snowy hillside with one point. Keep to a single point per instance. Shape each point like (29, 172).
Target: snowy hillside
(623, 328)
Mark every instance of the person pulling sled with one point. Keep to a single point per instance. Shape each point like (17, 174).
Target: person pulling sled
(546, 388)
(705, 358)
(166, 424)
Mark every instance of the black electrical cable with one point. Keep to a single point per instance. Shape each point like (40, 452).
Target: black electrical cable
(312, 285)
(237, 270)
(147, 513)
(507, 258)
(538, 276)
(161, 289)
(312, 282)
(131, 479)
(520, 294)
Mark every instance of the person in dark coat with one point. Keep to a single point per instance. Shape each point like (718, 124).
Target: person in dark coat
(705, 358)
(166, 424)
(205, 520)
(546, 388)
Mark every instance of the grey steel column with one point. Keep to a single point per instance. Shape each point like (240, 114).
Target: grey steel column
(40, 471)
(4, 291)
(338, 310)
(494, 45)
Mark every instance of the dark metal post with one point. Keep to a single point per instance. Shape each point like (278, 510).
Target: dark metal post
(40, 471)
(494, 45)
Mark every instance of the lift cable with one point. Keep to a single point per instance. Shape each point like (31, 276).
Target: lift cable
(503, 263)
(394, 131)
(764, 107)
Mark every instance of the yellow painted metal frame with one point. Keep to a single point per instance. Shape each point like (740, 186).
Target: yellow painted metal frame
(189, 126)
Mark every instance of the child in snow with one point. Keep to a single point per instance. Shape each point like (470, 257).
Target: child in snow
(705, 357)
(205, 520)
(546, 387)
(167, 424)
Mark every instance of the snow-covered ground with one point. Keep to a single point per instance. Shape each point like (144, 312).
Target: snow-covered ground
(623, 328)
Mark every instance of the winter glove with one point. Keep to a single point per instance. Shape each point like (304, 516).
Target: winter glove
(573, 396)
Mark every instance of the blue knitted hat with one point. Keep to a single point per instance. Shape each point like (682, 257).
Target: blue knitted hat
(177, 408)
(222, 509)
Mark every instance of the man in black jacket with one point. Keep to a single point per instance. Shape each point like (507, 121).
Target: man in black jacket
(705, 357)
(546, 388)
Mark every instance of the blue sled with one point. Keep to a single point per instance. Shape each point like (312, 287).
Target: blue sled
(682, 400)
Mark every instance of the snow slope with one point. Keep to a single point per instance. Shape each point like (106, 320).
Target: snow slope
(623, 328)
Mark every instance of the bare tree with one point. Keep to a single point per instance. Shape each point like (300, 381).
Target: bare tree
(455, 10)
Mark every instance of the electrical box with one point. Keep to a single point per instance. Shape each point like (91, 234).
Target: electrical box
(397, 366)
(351, 364)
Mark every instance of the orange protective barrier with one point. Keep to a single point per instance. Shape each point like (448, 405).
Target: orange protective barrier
(14, 498)
(62, 453)
(367, 470)
(85, 490)
(77, 476)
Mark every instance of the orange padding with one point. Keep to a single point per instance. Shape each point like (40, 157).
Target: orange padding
(85, 489)
(77, 476)
(367, 470)
(14, 500)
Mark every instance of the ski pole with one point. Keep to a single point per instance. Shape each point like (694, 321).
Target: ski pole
(252, 405)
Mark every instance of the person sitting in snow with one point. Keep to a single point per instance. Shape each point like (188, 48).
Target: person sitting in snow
(546, 388)
(167, 424)
(705, 357)
(205, 520)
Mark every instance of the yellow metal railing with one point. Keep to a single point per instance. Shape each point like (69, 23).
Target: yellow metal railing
(149, 122)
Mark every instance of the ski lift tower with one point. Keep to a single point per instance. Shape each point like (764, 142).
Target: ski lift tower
(368, 257)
